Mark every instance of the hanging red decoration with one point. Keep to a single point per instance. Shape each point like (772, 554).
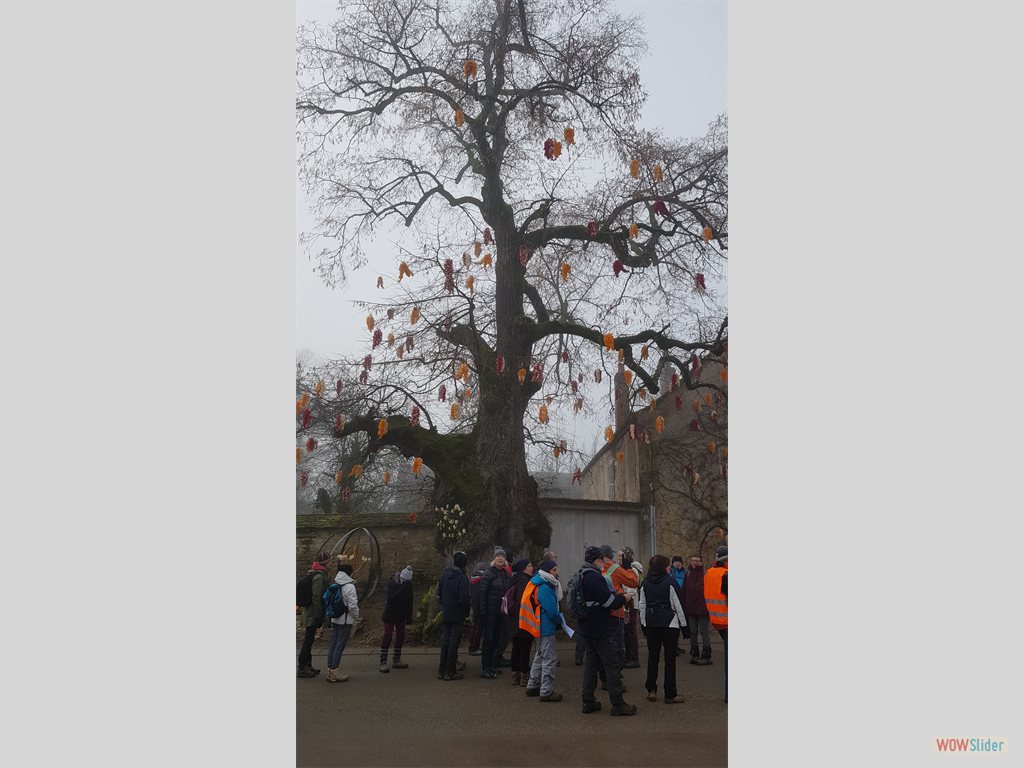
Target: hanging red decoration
(338, 385)
(408, 343)
(369, 322)
(578, 405)
(538, 373)
(694, 367)
(580, 377)
(634, 231)
(660, 207)
(339, 425)
(310, 445)
(521, 373)
(679, 403)
(307, 417)
(364, 377)
(442, 393)
(634, 168)
(488, 238)
(377, 336)
(468, 393)
(414, 419)
(577, 476)
(707, 234)
(499, 364)
(524, 255)
(694, 425)
(391, 339)
(543, 415)
(675, 382)
(592, 228)
(367, 362)
(617, 267)
(565, 271)
(404, 271)
(391, 314)
(597, 376)
(565, 356)
(346, 494)
(620, 457)
(549, 149)
(380, 282)
(575, 387)
(449, 279)
(303, 479)
(569, 134)
(698, 280)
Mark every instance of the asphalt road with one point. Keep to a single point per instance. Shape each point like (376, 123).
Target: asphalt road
(408, 717)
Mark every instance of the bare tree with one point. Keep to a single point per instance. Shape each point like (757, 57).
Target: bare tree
(501, 135)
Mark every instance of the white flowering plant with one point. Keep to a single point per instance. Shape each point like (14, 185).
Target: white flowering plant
(452, 528)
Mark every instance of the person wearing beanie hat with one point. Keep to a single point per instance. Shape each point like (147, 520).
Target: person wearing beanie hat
(492, 587)
(590, 555)
(540, 617)
(716, 597)
(312, 614)
(621, 579)
(397, 614)
(453, 595)
(522, 641)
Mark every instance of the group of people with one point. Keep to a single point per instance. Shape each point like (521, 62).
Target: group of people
(520, 604)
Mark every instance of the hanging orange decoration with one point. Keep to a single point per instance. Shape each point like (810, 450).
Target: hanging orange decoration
(725, 452)
(468, 394)
(298, 405)
(659, 424)
(723, 375)
(620, 457)
(304, 400)
(557, 451)
(469, 284)
(486, 263)
(401, 351)
(696, 406)
(477, 248)
(391, 339)
(609, 434)
(460, 117)
(521, 373)
(644, 352)
(634, 168)
(298, 455)
(417, 465)
(556, 149)
(380, 282)
(319, 389)
(708, 234)
(634, 231)
(414, 316)
(543, 414)
(711, 446)
(569, 134)
(340, 477)
(628, 375)
(466, 261)
(657, 173)
(565, 271)
(463, 372)
(707, 399)
(455, 411)
(369, 322)
(387, 478)
(469, 68)
(382, 428)
(609, 342)
(356, 471)
(391, 313)
(403, 270)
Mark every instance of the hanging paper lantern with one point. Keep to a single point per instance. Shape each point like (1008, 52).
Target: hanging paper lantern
(303, 479)
(580, 377)
(442, 393)
(524, 255)
(657, 173)
(338, 385)
(694, 425)
(620, 457)
(521, 373)
(298, 455)
(679, 403)
(449, 279)
(468, 394)
(403, 271)
(364, 377)
(634, 168)
(319, 388)
(460, 117)
(414, 419)
(556, 149)
(417, 465)
(387, 478)
(634, 231)
(723, 375)
(711, 446)
(707, 399)
(470, 281)
(565, 271)
(456, 409)
(609, 434)
(367, 362)
(469, 68)
(346, 494)
(340, 477)
(644, 352)
(307, 416)
(575, 387)
(382, 428)
(401, 352)
(499, 363)
(549, 149)
(592, 228)
(466, 260)
(565, 356)
(486, 261)
(310, 445)
(609, 342)
(569, 134)
(408, 343)
(698, 280)
(369, 322)
(628, 375)
(377, 336)
(488, 238)
(660, 207)
(543, 414)
(659, 424)
(578, 405)
(696, 406)
(339, 425)
(391, 339)
(597, 376)
(538, 373)
(463, 372)
(304, 400)
(707, 234)
(617, 267)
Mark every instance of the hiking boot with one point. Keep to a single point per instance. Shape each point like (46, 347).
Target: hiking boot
(652, 696)
(592, 707)
(456, 676)
(384, 667)
(624, 710)
(440, 675)
(704, 662)
(488, 675)
(398, 664)
(631, 665)
(313, 669)
(515, 677)
(553, 696)
(694, 660)
(533, 691)
(674, 700)
(524, 680)
(339, 676)
(305, 672)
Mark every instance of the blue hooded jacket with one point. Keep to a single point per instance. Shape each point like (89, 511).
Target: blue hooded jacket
(550, 616)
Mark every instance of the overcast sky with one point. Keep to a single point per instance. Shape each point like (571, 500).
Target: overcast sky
(685, 74)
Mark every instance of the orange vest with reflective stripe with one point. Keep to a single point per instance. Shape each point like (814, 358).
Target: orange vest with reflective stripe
(529, 610)
(717, 602)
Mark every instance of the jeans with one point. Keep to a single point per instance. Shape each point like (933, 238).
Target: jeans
(451, 635)
(725, 653)
(699, 625)
(306, 652)
(522, 641)
(600, 650)
(339, 639)
(632, 642)
(542, 672)
(492, 630)
(659, 638)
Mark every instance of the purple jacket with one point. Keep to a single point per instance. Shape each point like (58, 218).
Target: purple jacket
(693, 592)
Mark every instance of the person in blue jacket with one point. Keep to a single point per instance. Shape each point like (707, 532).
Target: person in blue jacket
(541, 603)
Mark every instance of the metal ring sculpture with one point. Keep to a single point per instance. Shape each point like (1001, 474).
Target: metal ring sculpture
(360, 549)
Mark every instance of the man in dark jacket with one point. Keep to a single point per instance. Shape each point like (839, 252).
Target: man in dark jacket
(492, 587)
(313, 615)
(453, 594)
(397, 613)
(697, 612)
(597, 629)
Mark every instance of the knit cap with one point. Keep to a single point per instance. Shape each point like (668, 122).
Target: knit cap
(406, 574)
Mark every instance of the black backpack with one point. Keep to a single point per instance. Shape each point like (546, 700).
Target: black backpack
(576, 606)
(304, 591)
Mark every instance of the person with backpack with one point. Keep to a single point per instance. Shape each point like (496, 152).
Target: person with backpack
(453, 595)
(341, 606)
(522, 640)
(307, 598)
(661, 615)
(540, 618)
(492, 587)
(621, 577)
(397, 613)
(591, 601)
(476, 631)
